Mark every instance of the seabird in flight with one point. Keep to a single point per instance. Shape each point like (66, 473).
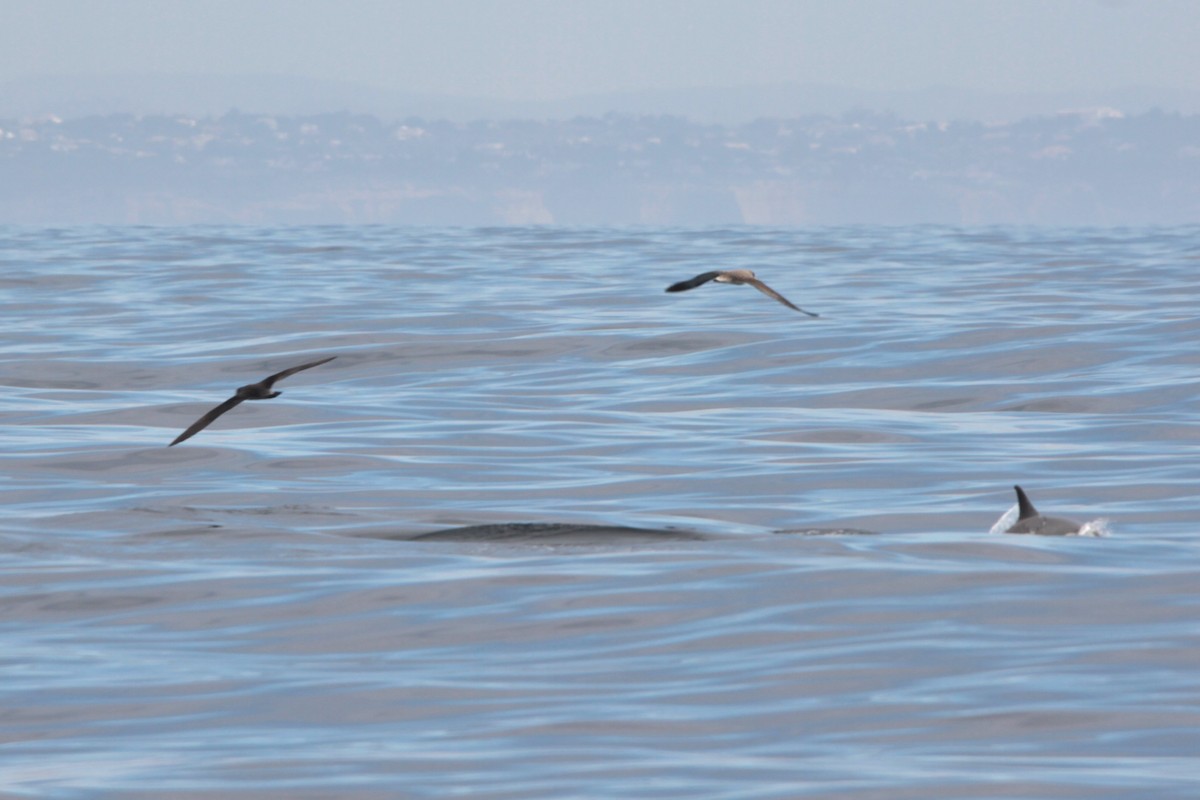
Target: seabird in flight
(254, 391)
(735, 276)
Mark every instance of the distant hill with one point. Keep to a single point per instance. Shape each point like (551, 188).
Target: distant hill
(200, 95)
(1098, 167)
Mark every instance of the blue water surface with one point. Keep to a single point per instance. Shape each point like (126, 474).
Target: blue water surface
(254, 612)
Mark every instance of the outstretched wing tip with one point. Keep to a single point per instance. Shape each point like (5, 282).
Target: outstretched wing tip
(206, 420)
(692, 283)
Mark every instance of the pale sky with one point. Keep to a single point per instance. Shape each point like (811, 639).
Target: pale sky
(551, 49)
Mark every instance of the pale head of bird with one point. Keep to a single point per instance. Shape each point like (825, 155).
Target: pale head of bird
(735, 276)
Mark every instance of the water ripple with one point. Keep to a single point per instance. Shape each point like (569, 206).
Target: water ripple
(262, 611)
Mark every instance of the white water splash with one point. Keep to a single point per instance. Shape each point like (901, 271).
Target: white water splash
(1097, 527)
(1006, 521)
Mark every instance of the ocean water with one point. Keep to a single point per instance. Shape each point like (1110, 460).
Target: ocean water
(768, 568)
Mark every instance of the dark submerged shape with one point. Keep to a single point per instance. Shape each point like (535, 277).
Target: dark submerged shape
(736, 277)
(557, 533)
(252, 391)
(1030, 521)
(575, 533)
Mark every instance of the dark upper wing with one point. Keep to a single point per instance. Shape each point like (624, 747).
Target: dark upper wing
(769, 292)
(692, 283)
(206, 420)
(278, 376)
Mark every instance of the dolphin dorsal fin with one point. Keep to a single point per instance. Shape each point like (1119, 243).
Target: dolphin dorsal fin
(1025, 509)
